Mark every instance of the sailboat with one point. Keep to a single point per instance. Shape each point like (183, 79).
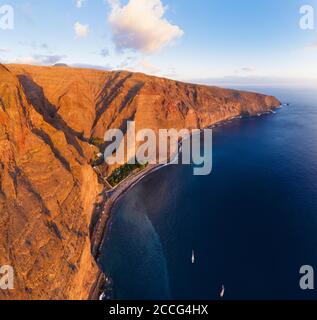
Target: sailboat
(193, 257)
(102, 297)
(222, 293)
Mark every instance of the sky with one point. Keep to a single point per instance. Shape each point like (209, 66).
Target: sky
(203, 41)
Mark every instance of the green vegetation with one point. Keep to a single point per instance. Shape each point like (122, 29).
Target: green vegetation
(98, 142)
(98, 159)
(123, 172)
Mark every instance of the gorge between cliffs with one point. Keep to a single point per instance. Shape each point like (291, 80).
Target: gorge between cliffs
(48, 189)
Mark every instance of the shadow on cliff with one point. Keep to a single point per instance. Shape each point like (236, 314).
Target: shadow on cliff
(111, 91)
(19, 175)
(35, 96)
(47, 140)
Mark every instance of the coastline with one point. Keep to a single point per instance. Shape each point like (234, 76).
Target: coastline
(110, 198)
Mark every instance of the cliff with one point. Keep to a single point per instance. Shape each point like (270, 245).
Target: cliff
(48, 190)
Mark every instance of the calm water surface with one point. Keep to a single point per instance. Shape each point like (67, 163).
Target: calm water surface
(252, 222)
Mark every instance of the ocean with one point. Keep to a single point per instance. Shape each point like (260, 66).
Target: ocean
(252, 223)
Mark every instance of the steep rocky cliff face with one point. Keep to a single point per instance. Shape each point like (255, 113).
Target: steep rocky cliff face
(47, 188)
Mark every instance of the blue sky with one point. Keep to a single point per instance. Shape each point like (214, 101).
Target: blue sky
(203, 40)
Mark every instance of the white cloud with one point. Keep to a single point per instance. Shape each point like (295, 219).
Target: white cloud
(4, 50)
(127, 63)
(79, 3)
(245, 71)
(48, 59)
(25, 60)
(81, 30)
(140, 25)
(90, 66)
(35, 45)
(104, 52)
(38, 59)
(149, 67)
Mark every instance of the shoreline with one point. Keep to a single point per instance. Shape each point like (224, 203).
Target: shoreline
(110, 198)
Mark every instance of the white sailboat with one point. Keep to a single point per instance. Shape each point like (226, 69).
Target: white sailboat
(193, 257)
(222, 293)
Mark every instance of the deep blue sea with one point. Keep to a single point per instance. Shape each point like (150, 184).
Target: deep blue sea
(252, 223)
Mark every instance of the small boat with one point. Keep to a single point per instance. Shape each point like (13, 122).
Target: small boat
(193, 257)
(222, 293)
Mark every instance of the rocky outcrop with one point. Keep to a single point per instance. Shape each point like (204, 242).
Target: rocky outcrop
(47, 188)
